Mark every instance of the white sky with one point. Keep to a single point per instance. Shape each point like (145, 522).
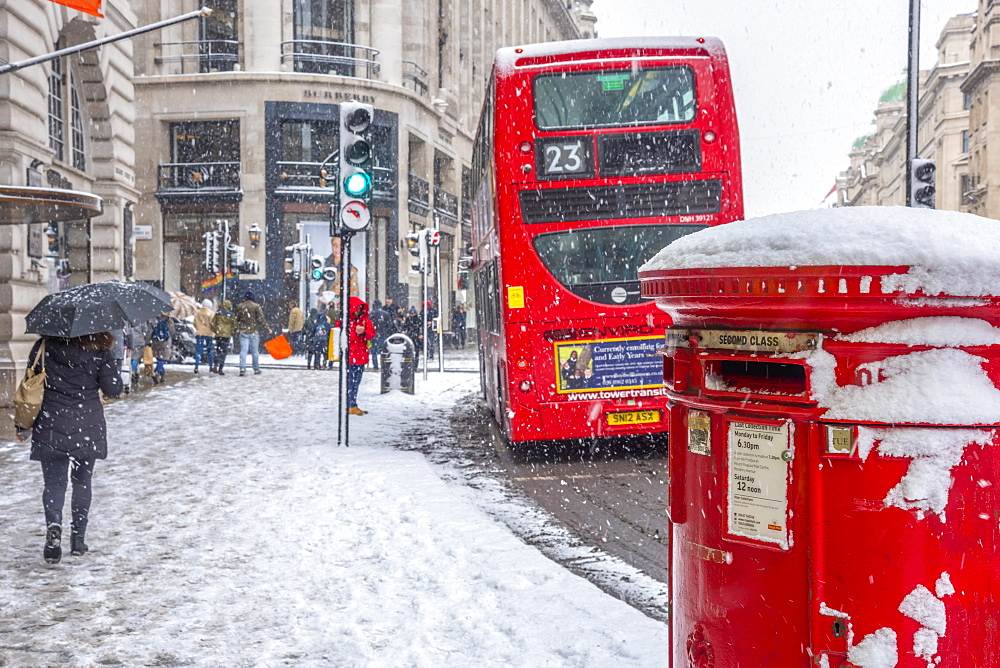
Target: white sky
(808, 76)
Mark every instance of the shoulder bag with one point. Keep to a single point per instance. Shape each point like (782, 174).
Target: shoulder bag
(30, 392)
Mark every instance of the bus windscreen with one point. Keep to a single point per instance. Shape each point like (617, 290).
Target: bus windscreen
(613, 98)
(600, 255)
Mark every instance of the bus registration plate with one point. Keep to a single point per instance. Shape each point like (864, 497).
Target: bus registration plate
(633, 417)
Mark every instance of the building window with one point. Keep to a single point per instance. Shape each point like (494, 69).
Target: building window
(57, 116)
(965, 141)
(967, 101)
(323, 36)
(219, 35)
(76, 123)
(305, 147)
(204, 154)
(308, 141)
(59, 83)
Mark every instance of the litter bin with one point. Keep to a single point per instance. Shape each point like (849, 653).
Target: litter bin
(397, 364)
(834, 451)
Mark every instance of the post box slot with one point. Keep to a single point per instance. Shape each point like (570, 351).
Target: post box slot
(739, 376)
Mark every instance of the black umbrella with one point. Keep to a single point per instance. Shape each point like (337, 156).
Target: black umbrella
(96, 307)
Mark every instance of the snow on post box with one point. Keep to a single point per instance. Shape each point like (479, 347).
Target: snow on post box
(834, 439)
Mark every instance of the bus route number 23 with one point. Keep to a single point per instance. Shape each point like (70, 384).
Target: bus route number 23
(566, 158)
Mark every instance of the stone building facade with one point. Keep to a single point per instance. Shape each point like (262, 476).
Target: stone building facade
(65, 125)
(238, 114)
(876, 175)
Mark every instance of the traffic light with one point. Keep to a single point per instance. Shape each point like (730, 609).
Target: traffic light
(293, 262)
(355, 165)
(320, 273)
(212, 247)
(922, 183)
(236, 254)
(417, 244)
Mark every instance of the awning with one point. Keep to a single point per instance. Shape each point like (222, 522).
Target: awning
(20, 204)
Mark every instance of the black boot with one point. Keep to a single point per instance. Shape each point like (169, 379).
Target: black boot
(53, 544)
(77, 546)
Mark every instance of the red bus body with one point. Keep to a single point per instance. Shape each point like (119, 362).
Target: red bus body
(557, 176)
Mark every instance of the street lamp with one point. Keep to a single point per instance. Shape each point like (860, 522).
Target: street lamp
(254, 233)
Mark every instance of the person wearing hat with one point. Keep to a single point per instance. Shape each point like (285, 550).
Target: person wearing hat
(204, 336)
(249, 321)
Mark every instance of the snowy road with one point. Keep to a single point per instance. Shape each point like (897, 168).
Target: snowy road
(226, 531)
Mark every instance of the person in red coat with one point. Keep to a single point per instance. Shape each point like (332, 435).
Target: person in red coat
(360, 331)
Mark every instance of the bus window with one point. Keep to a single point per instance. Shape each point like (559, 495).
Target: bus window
(611, 98)
(583, 258)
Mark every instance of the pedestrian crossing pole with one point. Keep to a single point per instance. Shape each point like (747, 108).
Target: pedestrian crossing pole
(343, 410)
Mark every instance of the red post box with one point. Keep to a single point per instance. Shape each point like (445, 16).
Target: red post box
(834, 451)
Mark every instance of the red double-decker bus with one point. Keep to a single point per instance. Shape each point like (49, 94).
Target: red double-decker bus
(590, 156)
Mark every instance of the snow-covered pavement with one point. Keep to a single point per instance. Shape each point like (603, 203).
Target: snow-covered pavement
(227, 530)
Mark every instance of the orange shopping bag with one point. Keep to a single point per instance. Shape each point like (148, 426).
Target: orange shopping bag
(279, 347)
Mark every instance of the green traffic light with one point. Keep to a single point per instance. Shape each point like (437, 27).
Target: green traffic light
(317, 274)
(358, 184)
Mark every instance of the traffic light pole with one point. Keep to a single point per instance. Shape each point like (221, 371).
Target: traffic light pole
(423, 305)
(912, 99)
(305, 252)
(440, 295)
(343, 341)
(224, 253)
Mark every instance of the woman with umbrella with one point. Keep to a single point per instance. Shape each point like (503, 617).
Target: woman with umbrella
(70, 435)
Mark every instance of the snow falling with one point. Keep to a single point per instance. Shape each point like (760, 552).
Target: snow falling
(228, 530)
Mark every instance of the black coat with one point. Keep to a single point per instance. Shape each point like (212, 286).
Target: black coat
(384, 323)
(71, 422)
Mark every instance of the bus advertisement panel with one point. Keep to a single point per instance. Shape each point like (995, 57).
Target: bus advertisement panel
(609, 364)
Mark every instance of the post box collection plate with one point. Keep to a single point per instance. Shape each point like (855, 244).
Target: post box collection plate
(744, 340)
(758, 480)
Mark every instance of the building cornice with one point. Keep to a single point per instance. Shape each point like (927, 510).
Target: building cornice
(980, 72)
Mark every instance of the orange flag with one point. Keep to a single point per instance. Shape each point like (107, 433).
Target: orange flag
(88, 6)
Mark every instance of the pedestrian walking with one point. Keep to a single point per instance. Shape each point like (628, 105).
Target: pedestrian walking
(459, 322)
(70, 434)
(222, 328)
(249, 321)
(360, 331)
(204, 336)
(384, 327)
(319, 341)
(140, 338)
(296, 321)
(413, 328)
(162, 338)
(431, 313)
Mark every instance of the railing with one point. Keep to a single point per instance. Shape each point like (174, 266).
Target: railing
(414, 77)
(466, 211)
(198, 177)
(299, 175)
(383, 183)
(419, 201)
(324, 57)
(202, 56)
(445, 203)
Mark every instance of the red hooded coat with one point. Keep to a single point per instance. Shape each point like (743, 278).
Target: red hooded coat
(357, 344)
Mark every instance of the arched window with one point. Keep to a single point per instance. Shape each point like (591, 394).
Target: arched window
(63, 106)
